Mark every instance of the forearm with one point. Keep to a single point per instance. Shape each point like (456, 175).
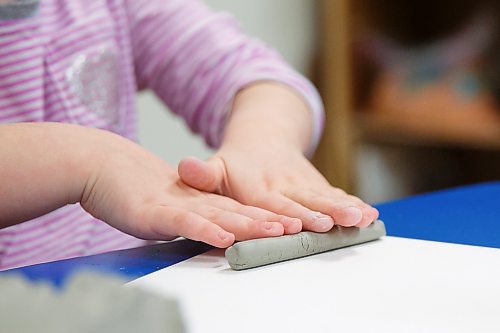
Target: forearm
(269, 114)
(43, 166)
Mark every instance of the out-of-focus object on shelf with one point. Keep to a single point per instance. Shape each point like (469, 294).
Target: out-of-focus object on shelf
(411, 74)
(433, 93)
(440, 113)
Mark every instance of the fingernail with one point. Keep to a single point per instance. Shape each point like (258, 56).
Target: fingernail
(291, 225)
(274, 228)
(353, 214)
(295, 226)
(312, 216)
(270, 225)
(224, 235)
(324, 222)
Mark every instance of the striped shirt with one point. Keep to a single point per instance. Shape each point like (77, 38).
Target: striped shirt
(82, 62)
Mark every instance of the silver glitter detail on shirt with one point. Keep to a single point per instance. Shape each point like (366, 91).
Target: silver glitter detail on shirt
(94, 79)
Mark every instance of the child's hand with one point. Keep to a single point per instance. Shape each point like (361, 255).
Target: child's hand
(138, 193)
(283, 182)
(261, 163)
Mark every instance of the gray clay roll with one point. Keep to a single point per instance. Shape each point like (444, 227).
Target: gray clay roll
(264, 251)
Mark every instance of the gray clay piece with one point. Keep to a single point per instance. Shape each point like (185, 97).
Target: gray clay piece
(264, 251)
(89, 302)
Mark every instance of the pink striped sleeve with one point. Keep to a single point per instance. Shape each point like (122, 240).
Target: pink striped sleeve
(196, 60)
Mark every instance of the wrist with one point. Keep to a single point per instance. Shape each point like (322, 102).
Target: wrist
(85, 152)
(269, 115)
(99, 151)
(83, 149)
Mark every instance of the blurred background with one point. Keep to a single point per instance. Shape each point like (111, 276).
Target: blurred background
(411, 88)
(291, 32)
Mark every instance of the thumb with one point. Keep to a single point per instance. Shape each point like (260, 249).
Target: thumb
(205, 176)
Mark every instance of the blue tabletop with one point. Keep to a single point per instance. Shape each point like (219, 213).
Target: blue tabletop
(466, 215)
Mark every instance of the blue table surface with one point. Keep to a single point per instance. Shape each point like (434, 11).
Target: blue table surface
(466, 215)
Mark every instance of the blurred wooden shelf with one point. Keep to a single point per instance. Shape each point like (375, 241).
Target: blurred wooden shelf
(398, 128)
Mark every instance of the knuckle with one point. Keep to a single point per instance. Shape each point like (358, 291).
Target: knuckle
(212, 213)
(250, 229)
(287, 206)
(356, 200)
(202, 230)
(262, 199)
(338, 192)
(177, 217)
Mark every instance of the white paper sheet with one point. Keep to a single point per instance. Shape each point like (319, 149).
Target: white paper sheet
(390, 285)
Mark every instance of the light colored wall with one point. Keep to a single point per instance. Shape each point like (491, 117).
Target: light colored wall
(286, 25)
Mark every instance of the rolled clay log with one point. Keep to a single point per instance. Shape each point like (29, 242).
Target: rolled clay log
(264, 251)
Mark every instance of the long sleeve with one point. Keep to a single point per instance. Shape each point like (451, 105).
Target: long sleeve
(196, 60)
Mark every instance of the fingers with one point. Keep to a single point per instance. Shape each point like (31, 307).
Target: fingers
(243, 227)
(291, 225)
(319, 212)
(371, 215)
(311, 220)
(165, 221)
(346, 210)
(209, 224)
(204, 176)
